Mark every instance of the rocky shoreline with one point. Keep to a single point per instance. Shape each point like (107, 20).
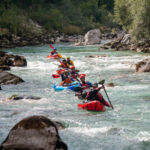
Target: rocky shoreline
(124, 42)
(13, 41)
(6, 62)
(91, 37)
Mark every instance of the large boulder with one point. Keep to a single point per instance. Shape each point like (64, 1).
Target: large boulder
(92, 37)
(143, 66)
(8, 78)
(19, 61)
(34, 133)
(126, 39)
(7, 60)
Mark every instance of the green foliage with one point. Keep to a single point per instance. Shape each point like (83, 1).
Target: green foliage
(7, 20)
(140, 28)
(68, 16)
(134, 16)
(50, 19)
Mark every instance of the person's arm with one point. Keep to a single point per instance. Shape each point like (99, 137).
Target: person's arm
(88, 95)
(72, 79)
(89, 84)
(68, 66)
(106, 103)
(62, 83)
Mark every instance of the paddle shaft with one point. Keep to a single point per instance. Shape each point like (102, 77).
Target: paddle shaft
(51, 46)
(108, 98)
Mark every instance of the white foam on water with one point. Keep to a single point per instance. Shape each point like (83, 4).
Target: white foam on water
(117, 66)
(130, 87)
(42, 65)
(90, 131)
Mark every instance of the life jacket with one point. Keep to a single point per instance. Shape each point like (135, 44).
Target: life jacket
(92, 95)
(70, 62)
(74, 75)
(64, 65)
(67, 80)
(85, 85)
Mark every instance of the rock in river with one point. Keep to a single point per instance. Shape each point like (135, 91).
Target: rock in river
(34, 133)
(8, 78)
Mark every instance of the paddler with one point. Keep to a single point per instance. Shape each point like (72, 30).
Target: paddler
(69, 61)
(54, 52)
(94, 94)
(84, 84)
(64, 64)
(81, 92)
(74, 73)
(66, 79)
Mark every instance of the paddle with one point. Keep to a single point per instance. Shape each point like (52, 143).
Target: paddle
(55, 75)
(51, 46)
(102, 83)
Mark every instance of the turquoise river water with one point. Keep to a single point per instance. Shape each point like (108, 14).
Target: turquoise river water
(127, 127)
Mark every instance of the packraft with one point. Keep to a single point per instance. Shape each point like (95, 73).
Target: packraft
(92, 106)
(73, 85)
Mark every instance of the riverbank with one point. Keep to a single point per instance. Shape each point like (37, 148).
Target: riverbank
(125, 42)
(12, 41)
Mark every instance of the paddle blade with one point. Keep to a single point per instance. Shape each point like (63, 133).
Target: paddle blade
(51, 46)
(60, 71)
(59, 55)
(55, 75)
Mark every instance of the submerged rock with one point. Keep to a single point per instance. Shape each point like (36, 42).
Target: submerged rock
(143, 66)
(8, 78)
(20, 97)
(110, 84)
(95, 56)
(34, 133)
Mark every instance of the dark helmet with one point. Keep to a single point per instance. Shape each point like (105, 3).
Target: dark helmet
(55, 48)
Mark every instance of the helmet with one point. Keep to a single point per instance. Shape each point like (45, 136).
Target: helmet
(64, 60)
(82, 76)
(73, 67)
(55, 48)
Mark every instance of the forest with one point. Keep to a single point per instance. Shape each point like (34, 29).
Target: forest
(76, 16)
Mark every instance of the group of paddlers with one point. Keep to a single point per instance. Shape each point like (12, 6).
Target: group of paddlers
(69, 74)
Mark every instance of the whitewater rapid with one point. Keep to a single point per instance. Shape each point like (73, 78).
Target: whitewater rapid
(123, 128)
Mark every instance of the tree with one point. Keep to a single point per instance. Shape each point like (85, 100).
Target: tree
(134, 16)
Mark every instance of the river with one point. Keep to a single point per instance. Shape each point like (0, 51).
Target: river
(127, 127)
